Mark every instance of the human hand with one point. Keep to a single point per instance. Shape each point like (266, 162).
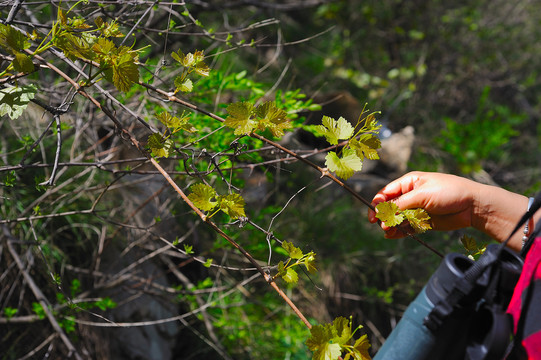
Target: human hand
(448, 199)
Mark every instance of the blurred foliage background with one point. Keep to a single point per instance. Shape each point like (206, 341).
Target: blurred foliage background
(463, 75)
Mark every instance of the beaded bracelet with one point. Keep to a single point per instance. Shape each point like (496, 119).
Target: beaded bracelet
(529, 224)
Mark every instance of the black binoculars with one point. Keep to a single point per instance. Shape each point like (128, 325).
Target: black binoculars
(461, 311)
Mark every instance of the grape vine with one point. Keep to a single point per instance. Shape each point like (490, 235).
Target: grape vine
(90, 56)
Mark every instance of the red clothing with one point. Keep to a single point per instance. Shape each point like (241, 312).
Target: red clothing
(525, 306)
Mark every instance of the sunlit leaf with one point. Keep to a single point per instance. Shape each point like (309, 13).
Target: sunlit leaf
(293, 251)
(202, 196)
(335, 130)
(232, 205)
(23, 63)
(125, 71)
(273, 118)
(12, 39)
(366, 146)
(14, 99)
(290, 276)
(185, 85)
(389, 213)
(418, 219)
(240, 118)
(345, 166)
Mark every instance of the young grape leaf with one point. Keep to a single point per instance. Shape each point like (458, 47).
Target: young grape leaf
(202, 195)
(158, 145)
(469, 243)
(366, 146)
(309, 262)
(418, 219)
(185, 85)
(335, 130)
(389, 213)
(125, 69)
(360, 349)
(23, 63)
(272, 117)
(342, 330)
(12, 39)
(202, 69)
(14, 99)
(293, 251)
(78, 47)
(240, 118)
(346, 166)
(232, 205)
(290, 276)
(320, 343)
(175, 123)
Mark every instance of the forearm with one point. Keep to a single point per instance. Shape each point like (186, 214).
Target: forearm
(496, 212)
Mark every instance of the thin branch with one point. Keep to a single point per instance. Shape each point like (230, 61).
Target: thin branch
(40, 297)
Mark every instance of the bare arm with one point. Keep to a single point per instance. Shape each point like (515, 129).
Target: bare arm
(454, 202)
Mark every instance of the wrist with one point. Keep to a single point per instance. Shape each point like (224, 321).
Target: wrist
(496, 212)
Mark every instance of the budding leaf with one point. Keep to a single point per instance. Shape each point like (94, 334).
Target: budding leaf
(232, 205)
(366, 146)
(335, 130)
(240, 118)
(293, 251)
(345, 166)
(418, 219)
(202, 196)
(309, 262)
(389, 213)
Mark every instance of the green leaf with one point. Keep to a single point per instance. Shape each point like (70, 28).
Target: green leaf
(342, 330)
(202, 196)
(309, 262)
(418, 219)
(202, 69)
(125, 70)
(240, 118)
(185, 85)
(23, 63)
(366, 146)
(290, 276)
(293, 252)
(334, 130)
(232, 205)
(188, 249)
(208, 263)
(469, 243)
(320, 343)
(159, 146)
(15, 99)
(12, 39)
(361, 347)
(175, 123)
(389, 213)
(273, 118)
(346, 166)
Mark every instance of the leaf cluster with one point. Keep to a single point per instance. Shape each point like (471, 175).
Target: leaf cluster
(361, 143)
(192, 62)
(205, 198)
(160, 144)
(391, 215)
(329, 341)
(245, 118)
(296, 258)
